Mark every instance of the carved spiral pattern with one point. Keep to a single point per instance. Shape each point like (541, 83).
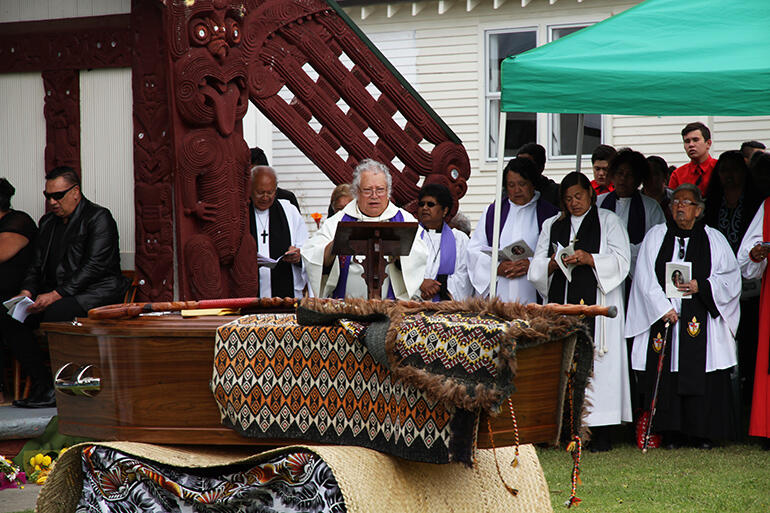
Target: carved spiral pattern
(202, 150)
(202, 264)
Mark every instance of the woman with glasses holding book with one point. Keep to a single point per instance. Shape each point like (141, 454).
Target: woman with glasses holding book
(695, 400)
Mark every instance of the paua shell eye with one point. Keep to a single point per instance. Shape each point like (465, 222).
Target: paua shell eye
(233, 32)
(200, 32)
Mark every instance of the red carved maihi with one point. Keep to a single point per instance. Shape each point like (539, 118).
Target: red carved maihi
(283, 37)
(216, 252)
(153, 187)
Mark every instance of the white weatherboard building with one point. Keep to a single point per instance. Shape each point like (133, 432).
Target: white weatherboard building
(450, 50)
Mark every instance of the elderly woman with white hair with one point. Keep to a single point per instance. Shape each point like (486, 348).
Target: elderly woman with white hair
(341, 276)
(692, 328)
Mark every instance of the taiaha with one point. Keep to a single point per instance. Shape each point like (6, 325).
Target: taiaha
(654, 402)
(130, 310)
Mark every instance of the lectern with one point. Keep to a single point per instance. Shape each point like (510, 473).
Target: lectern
(374, 241)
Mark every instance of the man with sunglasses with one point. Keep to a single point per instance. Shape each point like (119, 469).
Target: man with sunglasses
(75, 267)
(694, 404)
(342, 277)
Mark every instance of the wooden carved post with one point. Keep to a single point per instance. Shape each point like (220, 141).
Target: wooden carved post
(62, 119)
(216, 254)
(153, 189)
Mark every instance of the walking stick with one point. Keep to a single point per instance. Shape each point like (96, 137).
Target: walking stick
(654, 402)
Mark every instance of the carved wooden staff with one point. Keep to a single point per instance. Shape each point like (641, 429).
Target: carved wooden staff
(654, 402)
(130, 310)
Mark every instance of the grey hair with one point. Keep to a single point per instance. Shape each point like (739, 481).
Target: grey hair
(376, 168)
(256, 169)
(689, 187)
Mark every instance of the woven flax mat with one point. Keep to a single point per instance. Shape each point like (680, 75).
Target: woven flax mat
(371, 482)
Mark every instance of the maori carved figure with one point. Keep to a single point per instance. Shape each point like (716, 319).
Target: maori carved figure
(282, 38)
(217, 253)
(153, 187)
(62, 119)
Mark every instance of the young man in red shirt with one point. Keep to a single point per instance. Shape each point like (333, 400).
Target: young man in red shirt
(697, 142)
(600, 161)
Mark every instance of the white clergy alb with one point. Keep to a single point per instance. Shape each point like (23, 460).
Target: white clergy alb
(648, 301)
(653, 215)
(298, 235)
(458, 284)
(521, 224)
(609, 394)
(405, 281)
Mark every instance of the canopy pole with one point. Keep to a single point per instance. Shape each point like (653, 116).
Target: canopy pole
(498, 203)
(579, 147)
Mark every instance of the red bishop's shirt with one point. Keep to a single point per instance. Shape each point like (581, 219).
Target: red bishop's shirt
(695, 173)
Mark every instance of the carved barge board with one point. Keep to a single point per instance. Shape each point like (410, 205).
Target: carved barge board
(155, 375)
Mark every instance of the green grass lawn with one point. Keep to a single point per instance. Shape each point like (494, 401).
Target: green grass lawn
(732, 478)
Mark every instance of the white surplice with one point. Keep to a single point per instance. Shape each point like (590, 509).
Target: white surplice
(653, 215)
(750, 269)
(610, 393)
(405, 281)
(298, 235)
(458, 283)
(648, 301)
(521, 224)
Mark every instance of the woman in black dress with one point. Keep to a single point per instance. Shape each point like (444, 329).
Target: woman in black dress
(17, 233)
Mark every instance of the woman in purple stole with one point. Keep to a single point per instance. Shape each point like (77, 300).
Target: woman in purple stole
(522, 213)
(446, 270)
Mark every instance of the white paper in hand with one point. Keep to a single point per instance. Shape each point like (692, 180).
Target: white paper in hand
(268, 262)
(17, 307)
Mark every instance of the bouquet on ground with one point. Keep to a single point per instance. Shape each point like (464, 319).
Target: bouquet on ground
(10, 475)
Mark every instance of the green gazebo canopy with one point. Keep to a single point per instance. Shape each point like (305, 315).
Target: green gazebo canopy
(659, 58)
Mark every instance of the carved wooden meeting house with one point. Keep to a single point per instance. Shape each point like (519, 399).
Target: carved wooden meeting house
(195, 65)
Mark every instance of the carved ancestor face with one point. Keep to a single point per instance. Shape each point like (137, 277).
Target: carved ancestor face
(211, 75)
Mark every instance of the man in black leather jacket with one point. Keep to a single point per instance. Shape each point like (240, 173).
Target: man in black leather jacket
(75, 267)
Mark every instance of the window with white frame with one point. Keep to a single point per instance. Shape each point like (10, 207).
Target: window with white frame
(563, 127)
(521, 127)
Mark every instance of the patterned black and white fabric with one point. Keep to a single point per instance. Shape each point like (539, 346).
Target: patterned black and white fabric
(288, 483)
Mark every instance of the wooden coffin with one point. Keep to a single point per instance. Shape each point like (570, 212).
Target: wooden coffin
(153, 378)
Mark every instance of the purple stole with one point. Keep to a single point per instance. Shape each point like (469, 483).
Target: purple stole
(543, 211)
(342, 282)
(448, 249)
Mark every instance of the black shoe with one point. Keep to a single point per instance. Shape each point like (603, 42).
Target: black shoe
(671, 440)
(45, 399)
(703, 443)
(601, 441)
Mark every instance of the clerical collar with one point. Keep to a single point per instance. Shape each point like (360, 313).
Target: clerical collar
(386, 214)
(532, 201)
(431, 230)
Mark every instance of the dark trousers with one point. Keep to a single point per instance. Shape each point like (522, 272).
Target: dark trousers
(20, 339)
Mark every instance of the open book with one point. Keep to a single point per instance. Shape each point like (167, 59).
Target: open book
(677, 273)
(17, 307)
(514, 251)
